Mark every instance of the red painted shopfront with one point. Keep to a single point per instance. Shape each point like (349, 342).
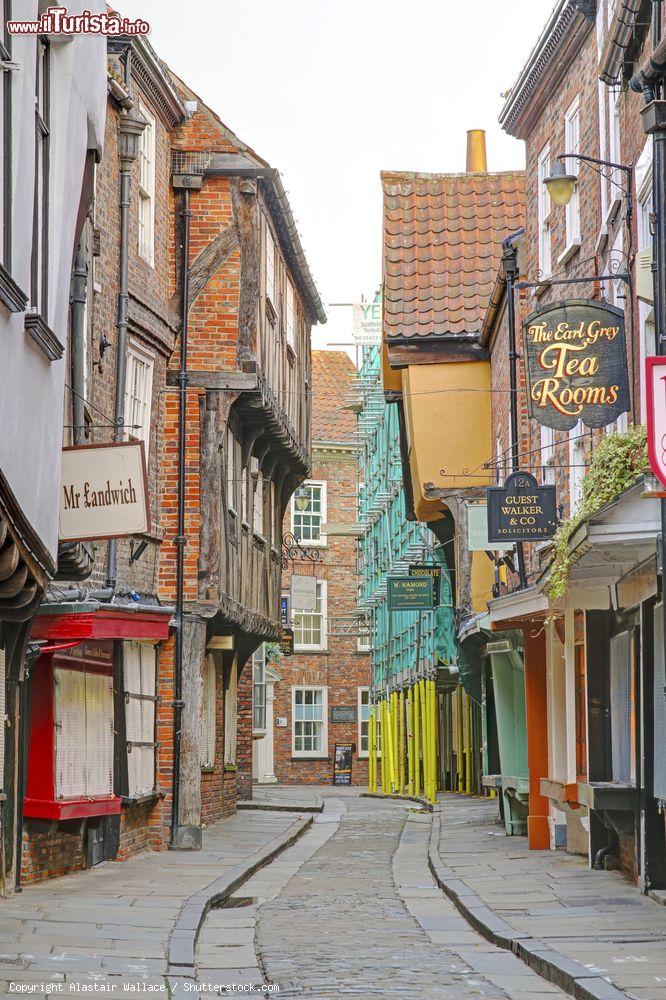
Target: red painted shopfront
(93, 744)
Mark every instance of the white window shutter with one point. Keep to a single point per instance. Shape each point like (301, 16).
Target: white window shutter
(132, 684)
(207, 744)
(148, 681)
(70, 736)
(230, 716)
(99, 734)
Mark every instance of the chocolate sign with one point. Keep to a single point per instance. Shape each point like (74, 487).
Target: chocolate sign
(576, 364)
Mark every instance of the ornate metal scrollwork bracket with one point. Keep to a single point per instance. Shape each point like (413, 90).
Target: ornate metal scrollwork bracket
(293, 552)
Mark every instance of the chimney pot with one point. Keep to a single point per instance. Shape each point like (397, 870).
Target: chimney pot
(476, 151)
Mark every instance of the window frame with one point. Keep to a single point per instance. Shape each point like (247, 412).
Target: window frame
(547, 445)
(142, 697)
(322, 542)
(230, 470)
(310, 754)
(290, 314)
(147, 137)
(322, 646)
(95, 735)
(259, 660)
(231, 731)
(258, 498)
(544, 211)
(364, 754)
(208, 714)
(39, 262)
(577, 438)
(270, 272)
(572, 146)
(6, 179)
(136, 352)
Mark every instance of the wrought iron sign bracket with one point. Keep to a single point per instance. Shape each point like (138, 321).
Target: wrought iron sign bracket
(293, 551)
(620, 276)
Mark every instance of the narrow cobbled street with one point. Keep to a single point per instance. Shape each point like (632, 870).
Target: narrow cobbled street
(353, 909)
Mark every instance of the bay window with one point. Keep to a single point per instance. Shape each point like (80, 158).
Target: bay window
(84, 728)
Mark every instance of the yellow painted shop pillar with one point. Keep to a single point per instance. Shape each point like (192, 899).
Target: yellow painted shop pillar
(417, 740)
(401, 742)
(461, 740)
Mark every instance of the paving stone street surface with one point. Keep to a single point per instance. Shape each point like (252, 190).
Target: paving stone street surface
(595, 917)
(350, 908)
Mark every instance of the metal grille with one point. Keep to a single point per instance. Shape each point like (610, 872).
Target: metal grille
(659, 705)
(183, 162)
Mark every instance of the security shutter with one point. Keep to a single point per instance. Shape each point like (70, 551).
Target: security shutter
(659, 705)
(139, 675)
(207, 742)
(230, 716)
(620, 692)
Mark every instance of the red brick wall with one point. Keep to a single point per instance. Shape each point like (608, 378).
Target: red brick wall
(341, 668)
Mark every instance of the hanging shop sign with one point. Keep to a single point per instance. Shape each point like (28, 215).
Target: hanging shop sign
(434, 572)
(576, 364)
(367, 328)
(103, 492)
(342, 763)
(410, 593)
(286, 641)
(521, 510)
(477, 529)
(284, 609)
(343, 713)
(655, 384)
(303, 592)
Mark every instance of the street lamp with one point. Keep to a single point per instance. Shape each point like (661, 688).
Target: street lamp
(561, 184)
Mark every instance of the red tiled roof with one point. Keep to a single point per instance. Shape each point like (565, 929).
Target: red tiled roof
(442, 247)
(333, 379)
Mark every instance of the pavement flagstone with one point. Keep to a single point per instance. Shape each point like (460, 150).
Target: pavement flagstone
(596, 918)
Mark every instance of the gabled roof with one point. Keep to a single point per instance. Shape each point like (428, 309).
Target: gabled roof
(564, 32)
(442, 246)
(333, 378)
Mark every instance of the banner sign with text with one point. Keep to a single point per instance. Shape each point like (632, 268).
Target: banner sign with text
(521, 510)
(576, 364)
(410, 593)
(431, 570)
(103, 492)
(655, 385)
(367, 329)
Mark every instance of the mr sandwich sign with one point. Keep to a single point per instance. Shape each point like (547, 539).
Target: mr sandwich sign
(103, 492)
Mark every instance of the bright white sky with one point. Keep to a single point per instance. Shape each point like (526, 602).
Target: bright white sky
(332, 93)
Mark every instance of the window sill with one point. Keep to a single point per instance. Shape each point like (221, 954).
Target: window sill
(62, 809)
(320, 650)
(135, 800)
(569, 252)
(37, 328)
(259, 539)
(310, 756)
(10, 293)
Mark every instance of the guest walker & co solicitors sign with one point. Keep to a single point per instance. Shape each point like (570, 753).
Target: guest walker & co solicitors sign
(521, 510)
(576, 364)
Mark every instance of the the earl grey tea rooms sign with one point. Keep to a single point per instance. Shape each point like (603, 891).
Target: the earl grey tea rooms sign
(576, 364)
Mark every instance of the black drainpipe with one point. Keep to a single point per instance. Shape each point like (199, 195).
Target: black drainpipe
(79, 295)
(180, 540)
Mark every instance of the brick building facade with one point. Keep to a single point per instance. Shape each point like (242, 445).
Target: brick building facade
(329, 670)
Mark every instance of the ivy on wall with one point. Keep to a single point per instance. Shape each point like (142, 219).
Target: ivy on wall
(617, 462)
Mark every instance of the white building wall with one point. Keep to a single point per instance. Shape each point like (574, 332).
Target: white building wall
(32, 386)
